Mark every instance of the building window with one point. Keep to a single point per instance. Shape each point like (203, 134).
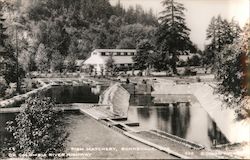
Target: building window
(118, 53)
(125, 53)
(103, 53)
(132, 53)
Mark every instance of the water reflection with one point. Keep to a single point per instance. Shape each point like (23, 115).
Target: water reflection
(181, 118)
(186, 121)
(214, 134)
(96, 89)
(75, 94)
(141, 100)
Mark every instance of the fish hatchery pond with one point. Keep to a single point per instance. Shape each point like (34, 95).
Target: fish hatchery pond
(187, 121)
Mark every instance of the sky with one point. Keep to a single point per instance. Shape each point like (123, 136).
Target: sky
(199, 13)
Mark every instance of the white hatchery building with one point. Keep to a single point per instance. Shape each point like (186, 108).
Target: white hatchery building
(99, 57)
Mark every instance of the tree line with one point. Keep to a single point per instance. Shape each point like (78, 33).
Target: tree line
(53, 34)
(227, 54)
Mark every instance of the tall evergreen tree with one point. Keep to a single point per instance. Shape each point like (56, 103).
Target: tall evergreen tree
(118, 9)
(245, 41)
(172, 36)
(3, 51)
(110, 64)
(235, 29)
(143, 58)
(231, 74)
(41, 58)
(211, 32)
(7, 58)
(220, 32)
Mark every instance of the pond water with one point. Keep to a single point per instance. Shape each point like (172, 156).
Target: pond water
(75, 94)
(186, 121)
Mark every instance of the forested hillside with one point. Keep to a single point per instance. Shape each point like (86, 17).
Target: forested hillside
(51, 33)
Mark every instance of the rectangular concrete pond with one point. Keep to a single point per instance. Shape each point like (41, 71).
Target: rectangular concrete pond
(187, 121)
(92, 140)
(184, 120)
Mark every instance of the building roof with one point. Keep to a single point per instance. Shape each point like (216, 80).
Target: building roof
(115, 50)
(123, 59)
(104, 59)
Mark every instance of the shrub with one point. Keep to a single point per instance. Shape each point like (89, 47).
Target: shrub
(38, 128)
(11, 90)
(3, 87)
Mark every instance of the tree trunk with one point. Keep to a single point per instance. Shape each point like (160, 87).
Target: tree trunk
(174, 67)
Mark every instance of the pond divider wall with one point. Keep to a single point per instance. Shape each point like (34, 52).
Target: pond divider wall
(177, 139)
(17, 100)
(159, 147)
(138, 88)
